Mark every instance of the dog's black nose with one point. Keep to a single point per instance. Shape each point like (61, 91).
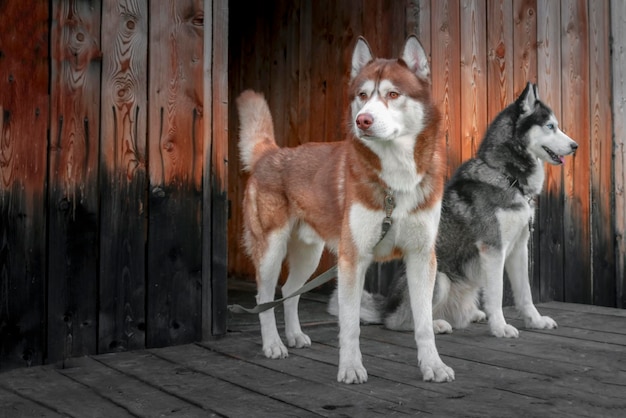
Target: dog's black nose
(574, 146)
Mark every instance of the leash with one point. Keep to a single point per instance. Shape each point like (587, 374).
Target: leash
(318, 281)
(325, 277)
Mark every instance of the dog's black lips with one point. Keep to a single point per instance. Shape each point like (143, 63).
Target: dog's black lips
(555, 158)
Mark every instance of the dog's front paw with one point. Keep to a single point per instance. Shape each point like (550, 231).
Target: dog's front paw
(275, 349)
(298, 340)
(441, 326)
(436, 372)
(353, 373)
(505, 331)
(542, 322)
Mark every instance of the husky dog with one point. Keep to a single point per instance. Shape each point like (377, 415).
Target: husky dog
(299, 199)
(487, 207)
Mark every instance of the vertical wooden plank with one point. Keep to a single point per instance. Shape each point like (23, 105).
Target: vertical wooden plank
(322, 59)
(321, 43)
(73, 183)
(473, 75)
(500, 69)
(419, 23)
(399, 11)
(208, 316)
(277, 94)
(218, 184)
(373, 16)
(292, 57)
(525, 70)
(176, 158)
(499, 56)
(123, 176)
(247, 44)
(575, 121)
(602, 245)
(618, 97)
(304, 71)
(445, 56)
(24, 111)
(549, 258)
(340, 41)
(525, 44)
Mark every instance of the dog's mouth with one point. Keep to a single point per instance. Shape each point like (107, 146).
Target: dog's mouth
(554, 157)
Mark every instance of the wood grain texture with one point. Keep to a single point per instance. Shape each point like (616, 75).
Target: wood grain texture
(207, 292)
(525, 44)
(575, 121)
(123, 177)
(73, 180)
(549, 253)
(618, 104)
(176, 163)
(245, 55)
(473, 75)
(499, 56)
(446, 56)
(601, 154)
(419, 22)
(24, 89)
(524, 70)
(482, 55)
(218, 184)
(569, 371)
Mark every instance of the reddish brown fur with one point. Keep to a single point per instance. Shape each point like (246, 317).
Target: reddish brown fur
(302, 182)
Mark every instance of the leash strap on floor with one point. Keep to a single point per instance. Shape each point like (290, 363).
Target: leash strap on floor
(319, 280)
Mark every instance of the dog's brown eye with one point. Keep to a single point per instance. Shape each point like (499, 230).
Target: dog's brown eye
(393, 95)
(362, 96)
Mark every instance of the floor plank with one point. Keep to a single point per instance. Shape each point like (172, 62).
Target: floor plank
(212, 395)
(578, 369)
(288, 381)
(48, 388)
(586, 309)
(134, 395)
(16, 406)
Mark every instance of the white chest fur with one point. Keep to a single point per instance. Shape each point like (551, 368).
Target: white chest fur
(410, 229)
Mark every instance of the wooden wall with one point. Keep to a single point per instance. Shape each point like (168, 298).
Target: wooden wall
(113, 176)
(24, 119)
(618, 78)
(115, 179)
(482, 53)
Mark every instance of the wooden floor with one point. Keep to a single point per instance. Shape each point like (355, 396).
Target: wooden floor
(577, 370)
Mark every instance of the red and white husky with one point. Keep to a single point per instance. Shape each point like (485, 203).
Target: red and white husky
(299, 199)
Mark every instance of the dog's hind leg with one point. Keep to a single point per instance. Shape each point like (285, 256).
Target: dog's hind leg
(303, 258)
(516, 266)
(268, 271)
(441, 293)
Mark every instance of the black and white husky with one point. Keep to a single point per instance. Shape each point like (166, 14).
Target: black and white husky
(487, 207)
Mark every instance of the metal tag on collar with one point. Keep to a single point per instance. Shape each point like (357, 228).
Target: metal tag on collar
(387, 222)
(390, 203)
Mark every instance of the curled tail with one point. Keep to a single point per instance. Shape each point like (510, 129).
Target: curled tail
(256, 132)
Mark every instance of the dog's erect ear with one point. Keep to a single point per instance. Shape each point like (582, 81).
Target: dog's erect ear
(415, 57)
(528, 99)
(536, 92)
(361, 55)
